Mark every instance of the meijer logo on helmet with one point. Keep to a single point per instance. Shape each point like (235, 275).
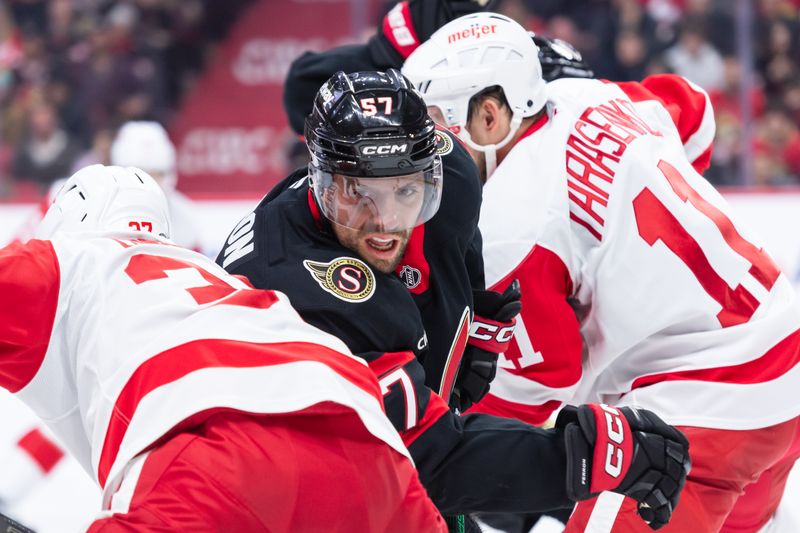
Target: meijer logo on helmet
(384, 149)
(475, 30)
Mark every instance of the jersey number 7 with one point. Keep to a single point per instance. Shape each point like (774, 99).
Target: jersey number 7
(655, 222)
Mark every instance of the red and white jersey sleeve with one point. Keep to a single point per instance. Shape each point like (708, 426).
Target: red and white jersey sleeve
(115, 343)
(688, 105)
(639, 284)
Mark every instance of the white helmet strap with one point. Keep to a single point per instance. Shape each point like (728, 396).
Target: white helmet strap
(491, 149)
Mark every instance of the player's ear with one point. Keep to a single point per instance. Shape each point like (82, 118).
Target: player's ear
(491, 115)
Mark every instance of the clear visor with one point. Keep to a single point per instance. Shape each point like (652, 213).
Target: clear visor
(383, 205)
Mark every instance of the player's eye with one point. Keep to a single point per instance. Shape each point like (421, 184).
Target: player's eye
(408, 192)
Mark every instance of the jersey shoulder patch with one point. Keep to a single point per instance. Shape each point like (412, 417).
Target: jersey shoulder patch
(347, 278)
(444, 144)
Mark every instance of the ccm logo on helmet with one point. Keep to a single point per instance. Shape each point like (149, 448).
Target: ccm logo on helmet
(616, 435)
(475, 30)
(384, 149)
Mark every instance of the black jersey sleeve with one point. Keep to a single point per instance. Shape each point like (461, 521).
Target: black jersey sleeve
(471, 463)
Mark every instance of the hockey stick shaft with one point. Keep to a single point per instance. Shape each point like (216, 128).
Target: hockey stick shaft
(7, 525)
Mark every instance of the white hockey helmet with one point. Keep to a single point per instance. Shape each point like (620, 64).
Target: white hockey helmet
(101, 198)
(470, 54)
(146, 145)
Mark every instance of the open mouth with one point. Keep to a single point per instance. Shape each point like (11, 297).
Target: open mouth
(382, 245)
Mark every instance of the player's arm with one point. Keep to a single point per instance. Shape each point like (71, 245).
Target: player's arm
(473, 463)
(542, 366)
(29, 285)
(690, 108)
(483, 463)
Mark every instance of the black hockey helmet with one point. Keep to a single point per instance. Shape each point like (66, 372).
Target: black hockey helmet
(560, 59)
(370, 124)
(366, 126)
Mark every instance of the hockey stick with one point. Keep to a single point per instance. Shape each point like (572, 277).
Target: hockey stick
(8, 525)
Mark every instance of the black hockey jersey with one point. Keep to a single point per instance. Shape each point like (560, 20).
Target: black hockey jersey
(470, 463)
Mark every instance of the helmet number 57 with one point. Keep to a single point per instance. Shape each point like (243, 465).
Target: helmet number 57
(370, 105)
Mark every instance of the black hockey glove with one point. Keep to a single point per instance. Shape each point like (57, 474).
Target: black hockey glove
(626, 450)
(412, 22)
(489, 336)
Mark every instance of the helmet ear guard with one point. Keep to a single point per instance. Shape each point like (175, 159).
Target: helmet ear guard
(106, 199)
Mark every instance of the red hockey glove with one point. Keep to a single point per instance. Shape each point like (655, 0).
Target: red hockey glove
(412, 22)
(489, 336)
(626, 450)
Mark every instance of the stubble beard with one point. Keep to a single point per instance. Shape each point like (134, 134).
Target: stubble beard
(353, 240)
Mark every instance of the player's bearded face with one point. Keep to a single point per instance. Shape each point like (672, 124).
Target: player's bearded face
(383, 251)
(376, 234)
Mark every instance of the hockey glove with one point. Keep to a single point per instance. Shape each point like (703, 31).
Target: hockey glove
(489, 335)
(412, 22)
(626, 450)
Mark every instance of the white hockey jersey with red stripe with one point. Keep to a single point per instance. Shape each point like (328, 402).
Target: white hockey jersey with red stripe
(115, 342)
(639, 286)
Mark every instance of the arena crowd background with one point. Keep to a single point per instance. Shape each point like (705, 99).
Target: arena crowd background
(212, 71)
(71, 71)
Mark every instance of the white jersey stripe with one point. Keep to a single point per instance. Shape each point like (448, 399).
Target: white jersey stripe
(281, 388)
(604, 513)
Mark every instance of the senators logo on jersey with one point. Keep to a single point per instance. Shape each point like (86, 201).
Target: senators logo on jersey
(444, 144)
(346, 278)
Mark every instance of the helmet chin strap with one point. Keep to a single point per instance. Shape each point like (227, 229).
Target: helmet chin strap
(491, 149)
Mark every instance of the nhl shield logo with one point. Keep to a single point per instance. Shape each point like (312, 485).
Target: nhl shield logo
(346, 278)
(410, 276)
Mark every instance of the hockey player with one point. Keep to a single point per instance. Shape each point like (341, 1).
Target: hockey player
(197, 402)
(639, 288)
(330, 237)
(443, 265)
(145, 144)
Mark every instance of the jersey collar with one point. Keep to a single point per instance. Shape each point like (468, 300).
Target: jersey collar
(533, 128)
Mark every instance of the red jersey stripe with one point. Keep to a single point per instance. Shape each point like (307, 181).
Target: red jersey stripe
(776, 362)
(172, 365)
(28, 273)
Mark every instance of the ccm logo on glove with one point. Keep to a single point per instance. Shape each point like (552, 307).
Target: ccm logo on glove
(491, 335)
(615, 453)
